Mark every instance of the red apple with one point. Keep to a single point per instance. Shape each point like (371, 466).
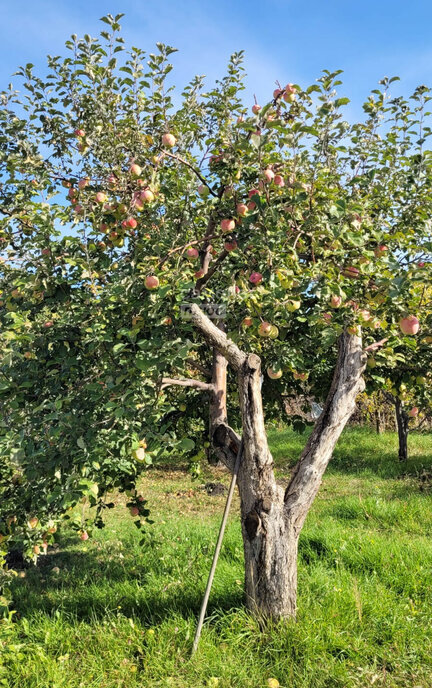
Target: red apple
(129, 223)
(227, 225)
(277, 92)
(247, 322)
(230, 245)
(199, 273)
(147, 196)
(135, 170)
(84, 535)
(168, 140)
(300, 376)
(256, 108)
(409, 325)
(269, 175)
(279, 180)
(192, 252)
(241, 209)
(151, 282)
(48, 324)
(100, 197)
(83, 183)
(32, 522)
(335, 301)
(413, 412)
(265, 329)
(255, 278)
(274, 374)
(79, 132)
(134, 511)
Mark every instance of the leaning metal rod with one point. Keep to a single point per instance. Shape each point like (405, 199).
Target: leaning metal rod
(217, 549)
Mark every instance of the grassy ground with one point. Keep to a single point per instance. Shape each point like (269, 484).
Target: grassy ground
(119, 614)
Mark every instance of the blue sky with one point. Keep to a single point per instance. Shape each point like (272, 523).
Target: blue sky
(285, 40)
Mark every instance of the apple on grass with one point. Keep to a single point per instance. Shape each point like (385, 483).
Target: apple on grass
(84, 535)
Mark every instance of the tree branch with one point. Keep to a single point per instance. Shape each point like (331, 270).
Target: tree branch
(376, 345)
(346, 385)
(194, 364)
(210, 271)
(217, 338)
(198, 384)
(191, 167)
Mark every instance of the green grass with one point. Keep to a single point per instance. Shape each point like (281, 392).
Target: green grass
(120, 614)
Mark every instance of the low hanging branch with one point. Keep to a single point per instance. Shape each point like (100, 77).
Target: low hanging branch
(198, 384)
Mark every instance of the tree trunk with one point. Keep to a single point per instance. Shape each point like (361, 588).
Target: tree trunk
(402, 427)
(271, 517)
(218, 405)
(272, 520)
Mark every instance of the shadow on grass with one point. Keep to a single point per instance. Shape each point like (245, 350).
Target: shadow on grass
(88, 586)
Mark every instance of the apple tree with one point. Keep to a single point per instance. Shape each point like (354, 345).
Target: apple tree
(175, 262)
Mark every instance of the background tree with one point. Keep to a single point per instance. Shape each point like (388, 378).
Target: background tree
(147, 246)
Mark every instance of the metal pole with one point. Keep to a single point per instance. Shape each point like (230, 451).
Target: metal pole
(217, 549)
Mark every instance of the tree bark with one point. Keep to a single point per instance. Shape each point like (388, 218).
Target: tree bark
(218, 404)
(271, 517)
(402, 427)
